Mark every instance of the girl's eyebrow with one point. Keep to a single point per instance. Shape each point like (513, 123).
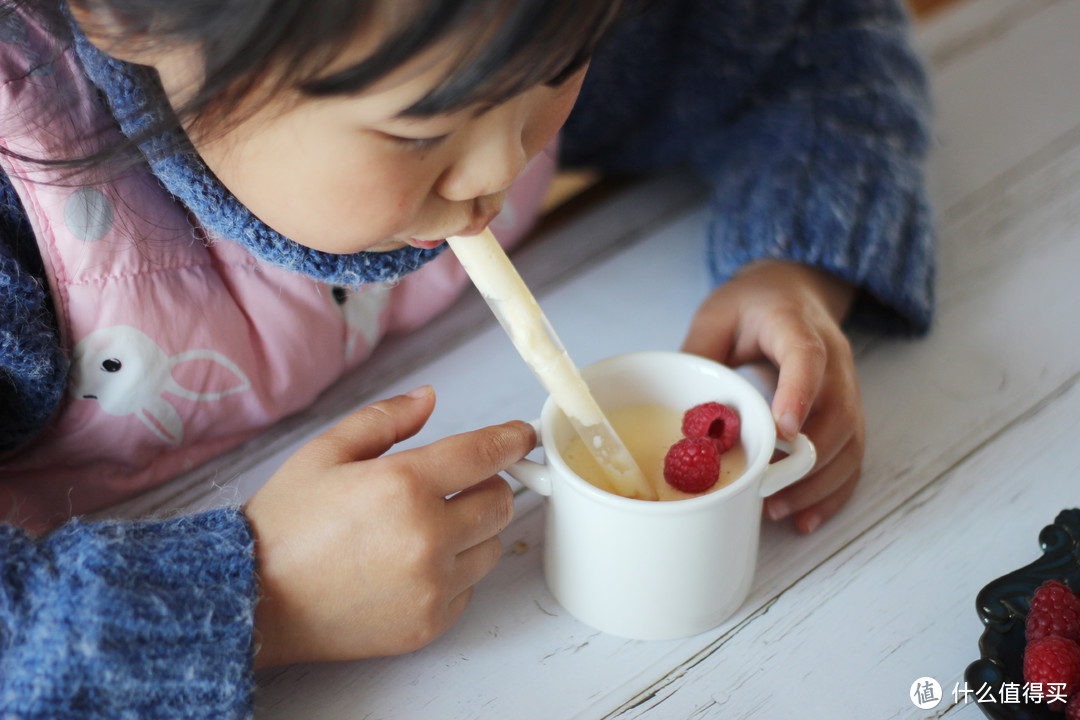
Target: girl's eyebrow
(480, 110)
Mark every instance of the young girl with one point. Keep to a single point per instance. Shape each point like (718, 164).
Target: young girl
(211, 211)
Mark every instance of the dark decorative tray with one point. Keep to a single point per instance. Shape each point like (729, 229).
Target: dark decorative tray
(1003, 606)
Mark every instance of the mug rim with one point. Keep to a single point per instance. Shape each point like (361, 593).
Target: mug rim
(754, 470)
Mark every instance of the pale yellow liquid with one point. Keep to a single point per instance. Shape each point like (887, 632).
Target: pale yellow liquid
(648, 431)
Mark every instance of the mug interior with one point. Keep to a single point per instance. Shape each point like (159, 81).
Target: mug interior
(679, 381)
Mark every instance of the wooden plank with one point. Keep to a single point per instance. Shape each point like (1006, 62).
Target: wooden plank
(514, 626)
(996, 360)
(1004, 85)
(988, 387)
(986, 375)
(955, 452)
(851, 637)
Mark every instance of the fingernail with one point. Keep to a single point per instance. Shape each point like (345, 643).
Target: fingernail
(420, 392)
(777, 509)
(789, 426)
(812, 522)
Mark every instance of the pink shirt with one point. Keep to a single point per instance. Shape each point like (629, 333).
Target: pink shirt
(183, 345)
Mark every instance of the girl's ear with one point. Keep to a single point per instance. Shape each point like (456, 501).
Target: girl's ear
(178, 67)
(105, 30)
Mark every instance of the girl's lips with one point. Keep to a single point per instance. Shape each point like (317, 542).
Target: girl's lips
(474, 228)
(477, 226)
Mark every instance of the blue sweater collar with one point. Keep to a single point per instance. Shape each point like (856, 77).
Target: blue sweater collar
(183, 174)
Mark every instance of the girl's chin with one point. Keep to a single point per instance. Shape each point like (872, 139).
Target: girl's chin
(391, 244)
(386, 246)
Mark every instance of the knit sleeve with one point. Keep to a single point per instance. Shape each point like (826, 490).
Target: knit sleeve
(145, 619)
(809, 119)
(33, 366)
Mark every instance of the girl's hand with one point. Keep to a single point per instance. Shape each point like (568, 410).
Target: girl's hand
(790, 315)
(361, 554)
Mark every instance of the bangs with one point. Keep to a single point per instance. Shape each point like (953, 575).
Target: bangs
(251, 49)
(518, 45)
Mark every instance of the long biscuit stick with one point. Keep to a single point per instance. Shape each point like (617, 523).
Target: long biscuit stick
(521, 317)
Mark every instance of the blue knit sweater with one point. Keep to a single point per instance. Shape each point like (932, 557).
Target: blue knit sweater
(808, 118)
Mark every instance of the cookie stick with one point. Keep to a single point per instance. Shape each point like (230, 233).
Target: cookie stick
(535, 340)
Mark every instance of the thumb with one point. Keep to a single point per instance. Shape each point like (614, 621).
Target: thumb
(375, 428)
(714, 328)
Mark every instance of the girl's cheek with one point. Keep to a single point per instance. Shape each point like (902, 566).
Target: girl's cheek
(554, 108)
(546, 122)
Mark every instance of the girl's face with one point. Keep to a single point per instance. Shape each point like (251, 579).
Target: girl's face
(347, 173)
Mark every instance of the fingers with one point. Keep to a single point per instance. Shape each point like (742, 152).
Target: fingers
(480, 512)
(460, 461)
(471, 565)
(791, 316)
(713, 330)
(823, 483)
(796, 388)
(817, 392)
(807, 520)
(375, 428)
(456, 607)
(798, 350)
(838, 431)
(786, 335)
(380, 555)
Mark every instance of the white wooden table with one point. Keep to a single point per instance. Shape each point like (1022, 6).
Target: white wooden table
(972, 436)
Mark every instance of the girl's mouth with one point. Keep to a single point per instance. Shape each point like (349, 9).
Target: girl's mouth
(426, 244)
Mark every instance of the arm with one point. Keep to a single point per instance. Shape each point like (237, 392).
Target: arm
(108, 619)
(111, 619)
(809, 120)
(807, 117)
(33, 366)
(359, 553)
(365, 552)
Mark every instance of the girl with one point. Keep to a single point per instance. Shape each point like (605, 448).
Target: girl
(198, 194)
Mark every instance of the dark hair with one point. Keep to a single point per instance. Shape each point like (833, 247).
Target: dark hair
(250, 45)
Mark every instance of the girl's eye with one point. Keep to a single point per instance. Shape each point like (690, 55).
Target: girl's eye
(418, 144)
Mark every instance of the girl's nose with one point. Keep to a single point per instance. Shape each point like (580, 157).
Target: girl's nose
(491, 159)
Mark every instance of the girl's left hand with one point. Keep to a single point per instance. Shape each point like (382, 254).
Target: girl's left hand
(790, 315)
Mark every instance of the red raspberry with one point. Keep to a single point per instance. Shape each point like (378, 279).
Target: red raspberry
(692, 465)
(1055, 610)
(1053, 660)
(1072, 709)
(713, 420)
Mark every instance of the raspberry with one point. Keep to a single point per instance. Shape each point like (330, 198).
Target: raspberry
(692, 465)
(1072, 709)
(1055, 610)
(713, 420)
(1053, 660)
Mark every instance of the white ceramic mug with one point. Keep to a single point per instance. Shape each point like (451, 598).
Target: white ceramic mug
(658, 570)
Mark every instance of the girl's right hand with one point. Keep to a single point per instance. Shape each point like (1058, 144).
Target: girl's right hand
(363, 555)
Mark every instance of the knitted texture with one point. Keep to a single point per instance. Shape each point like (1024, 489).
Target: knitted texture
(33, 366)
(812, 134)
(118, 620)
(136, 101)
(809, 119)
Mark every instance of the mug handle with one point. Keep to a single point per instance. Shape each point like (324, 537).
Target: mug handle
(533, 475)
(801, 457)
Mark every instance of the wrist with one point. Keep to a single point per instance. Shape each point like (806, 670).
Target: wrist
(835, 296)
(266, 641)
